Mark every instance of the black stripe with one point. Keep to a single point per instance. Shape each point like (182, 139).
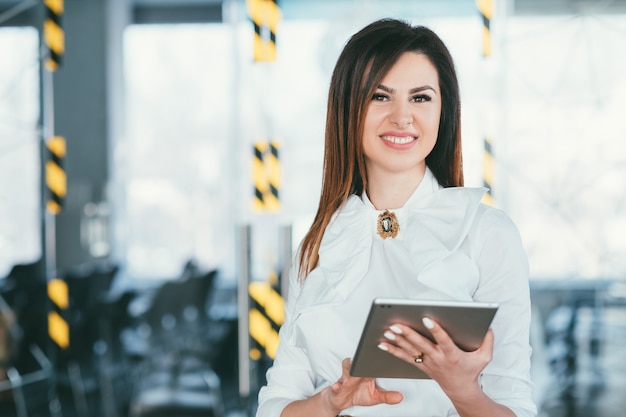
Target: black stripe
(274, 150)
(257, 28)
(274, 191)
(61, 312)
(258, 154)
(258, 194)
(55, 158)
(488, 147)
(51, 15)
(54, 57)
(56, 198)
(486, 21)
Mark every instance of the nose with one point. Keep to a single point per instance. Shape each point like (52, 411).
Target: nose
(401, 115)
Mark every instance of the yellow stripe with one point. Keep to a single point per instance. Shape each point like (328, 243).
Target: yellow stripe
(264, 13)
(269, 299)
(56, 180)
(261, 330)
(58, 293)
(485, 7)
(58, 330)
(486, 42)
(488, 164)
(488, 199)
(54, 36)
(272, 204)
(266, 16)
(55, 5)
(53, 207)
(51, 65)
(264, 51)
(255, 354)
(57, 146)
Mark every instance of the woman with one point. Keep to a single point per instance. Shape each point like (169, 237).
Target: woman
(395, 221)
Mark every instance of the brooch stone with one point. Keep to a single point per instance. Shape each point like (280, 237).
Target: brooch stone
(387, 224)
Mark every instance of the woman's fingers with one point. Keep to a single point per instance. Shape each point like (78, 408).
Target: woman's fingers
(410, 346)
(442, 339)
(389, 397)
(345, 366)
(349, 390)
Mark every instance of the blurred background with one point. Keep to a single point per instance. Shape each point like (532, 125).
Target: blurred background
(160, 160)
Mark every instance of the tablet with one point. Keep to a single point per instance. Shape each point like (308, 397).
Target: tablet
(465, 322)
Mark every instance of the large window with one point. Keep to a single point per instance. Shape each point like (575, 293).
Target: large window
(562, 151)
(549, 98)
(176, 153)
(19, 148)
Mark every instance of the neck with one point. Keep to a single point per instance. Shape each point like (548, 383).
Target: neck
(392, 190)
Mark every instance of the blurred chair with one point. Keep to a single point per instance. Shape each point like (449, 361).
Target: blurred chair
(31, 386)
(27, 380)
(79, 367)
(176, 376)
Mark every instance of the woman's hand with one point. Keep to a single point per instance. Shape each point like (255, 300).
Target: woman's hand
(456, 371)
(351, 391)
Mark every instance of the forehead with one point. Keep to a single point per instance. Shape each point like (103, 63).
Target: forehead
(411, 68)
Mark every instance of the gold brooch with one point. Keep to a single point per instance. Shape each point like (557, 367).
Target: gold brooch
(387, 224)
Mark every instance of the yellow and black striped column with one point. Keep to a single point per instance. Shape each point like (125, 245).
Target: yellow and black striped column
(53, 34)
(485, 7)
(488, 171)
(56, 179)
(58, 328)
(267, 314)
(266, 176)
(265, 16)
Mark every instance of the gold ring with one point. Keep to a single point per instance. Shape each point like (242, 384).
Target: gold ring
(420, 358)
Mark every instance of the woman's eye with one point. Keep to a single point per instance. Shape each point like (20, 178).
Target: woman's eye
(379, 97)
(420, 98)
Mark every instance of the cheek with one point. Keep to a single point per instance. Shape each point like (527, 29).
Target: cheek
(430, 121)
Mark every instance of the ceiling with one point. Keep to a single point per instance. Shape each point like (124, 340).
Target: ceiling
(25, 12)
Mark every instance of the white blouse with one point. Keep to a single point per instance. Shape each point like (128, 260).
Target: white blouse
(449, 247)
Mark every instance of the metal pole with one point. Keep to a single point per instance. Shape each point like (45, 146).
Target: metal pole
(286, 254)
(48, 221)
(243, 304)
(48, 264)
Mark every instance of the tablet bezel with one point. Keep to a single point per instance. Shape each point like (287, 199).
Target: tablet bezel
(466, 322)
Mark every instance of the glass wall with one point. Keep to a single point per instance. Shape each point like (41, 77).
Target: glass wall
(19, 148)
(549, 99)
(562, 154)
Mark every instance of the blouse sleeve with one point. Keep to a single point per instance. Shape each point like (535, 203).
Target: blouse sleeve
(503, 269)
(290, 378)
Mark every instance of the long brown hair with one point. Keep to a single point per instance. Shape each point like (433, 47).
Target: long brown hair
(360, 68)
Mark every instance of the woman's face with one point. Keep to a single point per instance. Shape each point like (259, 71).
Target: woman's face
(402, 119)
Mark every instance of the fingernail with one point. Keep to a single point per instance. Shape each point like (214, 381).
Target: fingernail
(383, 347)
(389, 335)
(428, 323)
(395, 329)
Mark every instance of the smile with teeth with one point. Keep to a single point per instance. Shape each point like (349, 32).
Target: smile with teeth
(399, 140)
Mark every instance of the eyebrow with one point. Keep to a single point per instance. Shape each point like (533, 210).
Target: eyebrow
(411, 91)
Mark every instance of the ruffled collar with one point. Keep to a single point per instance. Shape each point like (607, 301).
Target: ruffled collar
(433, 223)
